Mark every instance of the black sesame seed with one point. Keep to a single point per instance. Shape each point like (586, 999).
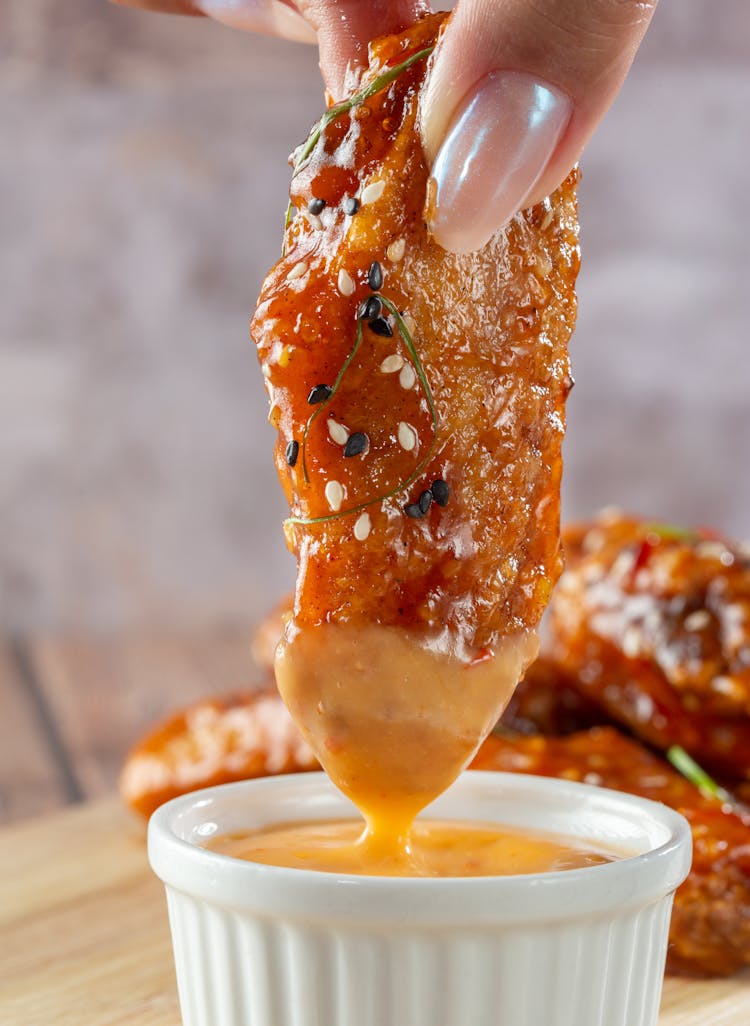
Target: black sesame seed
(315, 206)
(371, 308)
(413, 511)
(292, 452)
(356, 443)
(381, 327)
(319, 394)
(440, 492)
(425, 500)
(351, 206)
(375, 276)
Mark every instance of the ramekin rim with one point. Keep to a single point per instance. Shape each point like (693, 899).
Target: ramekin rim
(637, 879)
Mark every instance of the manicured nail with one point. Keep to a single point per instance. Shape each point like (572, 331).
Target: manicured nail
(498, 144)
(269, 16)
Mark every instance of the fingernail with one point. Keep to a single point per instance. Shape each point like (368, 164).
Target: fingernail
(268, 16)
(497, 146)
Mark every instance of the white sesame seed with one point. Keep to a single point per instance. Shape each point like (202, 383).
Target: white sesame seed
(595, 779)
(372, 192)
(710, 550)
(644, 707)
(334, 494)
(546, 221)
(392, 363)
(313, 220)
(266, 371)
(631, 642)
(337, 431)
(297, 271)
(396, 250)
(407, 377)
(362, 527)
(409, 324)
(697, 620)
(407, 436)
(299, 285)
(609, 514)
(724, 685)
(345, 283)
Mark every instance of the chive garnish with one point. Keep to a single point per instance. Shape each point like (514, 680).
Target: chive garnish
(689, 768)
(379, 83)
(406, 336)
(670, 532)
(409, 343)
(325, 402)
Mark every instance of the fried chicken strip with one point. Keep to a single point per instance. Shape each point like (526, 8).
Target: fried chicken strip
(215, 741)
(419, 402)
(652, 624)
(491, 332)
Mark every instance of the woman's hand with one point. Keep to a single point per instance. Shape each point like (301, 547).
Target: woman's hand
(516, 89)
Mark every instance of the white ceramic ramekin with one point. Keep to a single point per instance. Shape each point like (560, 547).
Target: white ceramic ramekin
(260, 945)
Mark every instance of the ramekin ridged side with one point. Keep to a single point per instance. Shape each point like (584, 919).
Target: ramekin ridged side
(263, 946)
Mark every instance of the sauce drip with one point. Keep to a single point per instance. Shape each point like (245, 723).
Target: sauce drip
(436, 848)
(392, 717)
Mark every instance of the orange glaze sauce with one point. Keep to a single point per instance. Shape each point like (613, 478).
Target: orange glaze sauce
(436, 848)
(393, 719)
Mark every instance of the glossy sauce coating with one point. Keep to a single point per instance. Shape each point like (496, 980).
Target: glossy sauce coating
(419, 402)
(440, 848)
(651, 624)
(490, 330)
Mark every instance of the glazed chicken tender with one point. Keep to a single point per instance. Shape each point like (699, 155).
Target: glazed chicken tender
(651, 623)
(419, 402)
(710, 928)
(375, 538)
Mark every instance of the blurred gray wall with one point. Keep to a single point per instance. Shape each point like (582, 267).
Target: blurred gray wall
(142, 184)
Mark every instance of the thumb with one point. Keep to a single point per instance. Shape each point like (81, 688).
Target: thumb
(516, 89)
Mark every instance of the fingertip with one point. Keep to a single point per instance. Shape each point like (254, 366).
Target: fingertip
(269, 17)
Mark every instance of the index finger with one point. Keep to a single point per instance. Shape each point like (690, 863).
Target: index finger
(165, 6)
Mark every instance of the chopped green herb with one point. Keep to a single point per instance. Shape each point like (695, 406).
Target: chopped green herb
(671, 532)
(409, 343)
(379, 83)
(689, 768)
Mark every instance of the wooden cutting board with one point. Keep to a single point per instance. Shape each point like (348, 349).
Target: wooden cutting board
(84, 939)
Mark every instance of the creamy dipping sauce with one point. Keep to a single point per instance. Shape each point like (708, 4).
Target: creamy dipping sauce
(392, 717)
(435, 848)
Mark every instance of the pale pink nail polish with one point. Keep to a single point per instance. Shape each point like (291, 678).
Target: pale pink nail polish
(497, 147)
(269, 16)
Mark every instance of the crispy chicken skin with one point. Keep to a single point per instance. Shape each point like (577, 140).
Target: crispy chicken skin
(652, 624)
(490, 332)
(710, 930)
(215, 741)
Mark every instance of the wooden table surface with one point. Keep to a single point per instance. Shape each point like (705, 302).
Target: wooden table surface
(84, 939)
(83, 928)
(71, 707)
